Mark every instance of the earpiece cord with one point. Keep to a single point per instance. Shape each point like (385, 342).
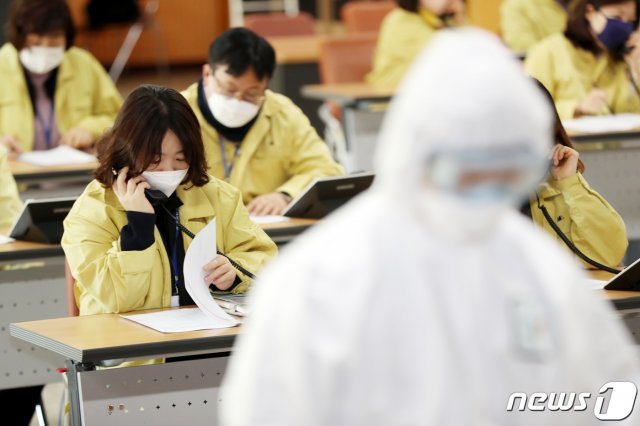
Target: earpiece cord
(192, 235)
(570, 244)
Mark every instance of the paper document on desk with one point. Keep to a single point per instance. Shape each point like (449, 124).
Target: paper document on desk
(263, 220)
(595, 284)
(604, 123)
(59, 156)
(176, 320)
(202, 251)
(6, 240)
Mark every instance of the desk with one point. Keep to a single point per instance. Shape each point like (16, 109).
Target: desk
(364, 106)
(182, 386)
(153, 394)
(70, 180)
(35, 289)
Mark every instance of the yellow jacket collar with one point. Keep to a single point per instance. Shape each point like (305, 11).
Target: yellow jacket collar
(430, 18)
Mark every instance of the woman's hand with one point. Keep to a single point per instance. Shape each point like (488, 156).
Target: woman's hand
(564, 162)
(13, 147)
(131, 193)
(77, 138)
(593, 104)
(220, 272)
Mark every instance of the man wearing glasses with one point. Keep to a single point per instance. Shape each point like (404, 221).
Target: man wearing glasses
(257, 140)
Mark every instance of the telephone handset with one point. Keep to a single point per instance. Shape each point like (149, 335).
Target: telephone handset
(156, 198)
(570, 244)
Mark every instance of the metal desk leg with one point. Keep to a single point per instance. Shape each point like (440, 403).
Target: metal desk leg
(73, 369)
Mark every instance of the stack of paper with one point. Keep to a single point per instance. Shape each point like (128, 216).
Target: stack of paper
(61, 155)
(604, 123)
(208, 315)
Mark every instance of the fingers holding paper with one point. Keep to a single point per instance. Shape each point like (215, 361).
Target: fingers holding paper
(220, 272)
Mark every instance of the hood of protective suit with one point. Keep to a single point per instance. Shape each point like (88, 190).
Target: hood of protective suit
(465, 91)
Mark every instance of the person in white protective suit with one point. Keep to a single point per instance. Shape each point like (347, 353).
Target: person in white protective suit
(429, 300)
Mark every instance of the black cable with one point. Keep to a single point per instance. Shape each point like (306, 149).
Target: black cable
(192, 235)
(570, 244)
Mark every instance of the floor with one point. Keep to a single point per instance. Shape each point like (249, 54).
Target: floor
(178, 78)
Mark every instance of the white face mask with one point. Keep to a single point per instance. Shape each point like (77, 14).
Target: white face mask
(41, 60)
(460, 220)
(230, 111)
(167, 182)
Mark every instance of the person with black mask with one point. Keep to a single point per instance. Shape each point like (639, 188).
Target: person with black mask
(591, 69)
(255, 139)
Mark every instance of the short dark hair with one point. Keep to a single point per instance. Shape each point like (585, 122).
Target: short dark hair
(560, 135)
(241, 49)
(135, 140)
(579, 30)
(40, 17)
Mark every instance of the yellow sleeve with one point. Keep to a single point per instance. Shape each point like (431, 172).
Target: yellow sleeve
(310, 157)
(625, 98)
(10, 204)
(118, 280)
(586, 218)
(245, 242)
(106, 102)
(516, 27)
(540, 64)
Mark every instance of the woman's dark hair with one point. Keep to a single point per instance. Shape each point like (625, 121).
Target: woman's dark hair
(241, 49)
(135, 140)
(559, 133)
(579, 30)
(42, 17)
(409, 5)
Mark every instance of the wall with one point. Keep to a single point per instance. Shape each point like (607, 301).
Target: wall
(185, 29)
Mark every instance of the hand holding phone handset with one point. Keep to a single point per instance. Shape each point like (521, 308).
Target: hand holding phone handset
(130, 192)
(156, 197)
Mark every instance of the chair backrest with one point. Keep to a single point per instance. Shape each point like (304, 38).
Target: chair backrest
(280, 24)
(72, 306)
(347, 58)
(365, 16)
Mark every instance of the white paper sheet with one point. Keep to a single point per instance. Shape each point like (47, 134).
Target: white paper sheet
(596, 284)
(61, 155)
(6, 240)
(202, 251)
(176, 320)
(262, 220)
(604, 123)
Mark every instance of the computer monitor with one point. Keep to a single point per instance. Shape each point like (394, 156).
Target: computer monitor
(41, 220)
(324, 195)
(628, 279)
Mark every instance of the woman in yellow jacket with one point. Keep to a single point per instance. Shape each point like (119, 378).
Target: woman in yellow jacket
(50, 93)
(590, 69)
(580, 213)
(405, 31)
(523, 23)
(125, 253)
(10, 204)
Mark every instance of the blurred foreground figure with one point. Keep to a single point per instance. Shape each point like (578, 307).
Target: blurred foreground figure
(429, 300)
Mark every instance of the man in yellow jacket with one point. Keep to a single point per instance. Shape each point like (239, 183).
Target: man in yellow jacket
(257, 140)
(10, 204)
(523, 23)
(50, 92)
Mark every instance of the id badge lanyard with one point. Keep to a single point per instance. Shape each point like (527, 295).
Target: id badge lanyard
(228, 167)
(46, 127)
(175, 296)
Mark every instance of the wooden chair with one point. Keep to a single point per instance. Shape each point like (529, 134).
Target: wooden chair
(365, 16)
(280, 24)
